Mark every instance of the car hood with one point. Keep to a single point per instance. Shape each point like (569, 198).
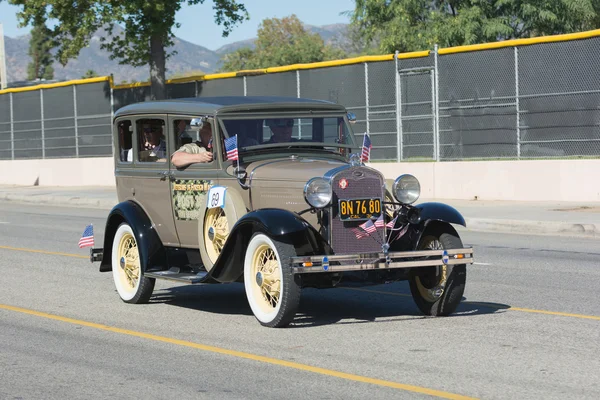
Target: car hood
(280, 183)
(288, 169)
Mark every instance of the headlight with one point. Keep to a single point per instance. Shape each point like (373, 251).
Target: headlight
(317, 192)
(406, 189)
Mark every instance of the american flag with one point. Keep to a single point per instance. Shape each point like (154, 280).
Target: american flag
(391, 223)
(366, 148)
(359, 233)
(231, 148)
(87, 239)
(379, 223)
(368, 226)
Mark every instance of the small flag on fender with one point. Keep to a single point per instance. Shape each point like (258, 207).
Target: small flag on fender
(87, 239)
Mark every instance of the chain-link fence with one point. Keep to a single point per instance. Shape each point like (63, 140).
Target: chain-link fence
(532, 101)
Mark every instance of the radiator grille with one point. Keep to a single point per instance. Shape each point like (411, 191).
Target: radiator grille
(362, 183)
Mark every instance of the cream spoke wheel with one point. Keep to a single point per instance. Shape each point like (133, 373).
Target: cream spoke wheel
(129, 279)
(438, 290)
(271, 289)
(433, 287)
(216, 232)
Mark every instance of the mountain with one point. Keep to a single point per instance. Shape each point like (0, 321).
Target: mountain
(334, 34)
(190, 57)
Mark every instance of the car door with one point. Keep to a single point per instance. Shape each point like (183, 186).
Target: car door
(190, 185)
(151, 187)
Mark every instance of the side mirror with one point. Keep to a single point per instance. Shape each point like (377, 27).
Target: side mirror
(240, 173)
(351, 117)
(196, 124)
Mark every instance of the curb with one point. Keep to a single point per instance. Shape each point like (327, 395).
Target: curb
(65, 201)
(534, 227)
(523, 227)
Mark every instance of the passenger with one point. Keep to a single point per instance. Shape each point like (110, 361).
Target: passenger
(198, 152)
(155, 144)
(282, 130)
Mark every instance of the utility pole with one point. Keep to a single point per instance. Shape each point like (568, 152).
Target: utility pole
(2, 60)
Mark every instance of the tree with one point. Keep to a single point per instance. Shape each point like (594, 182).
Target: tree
(147, 28)
(40, 45)
(90, 73)
(281, 42)
(409, 25)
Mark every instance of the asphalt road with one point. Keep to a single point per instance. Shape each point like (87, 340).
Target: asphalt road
(529, 327)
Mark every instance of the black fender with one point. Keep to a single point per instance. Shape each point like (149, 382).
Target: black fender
(152, 253)
(281, 225)
(432, 216)
(440, 212)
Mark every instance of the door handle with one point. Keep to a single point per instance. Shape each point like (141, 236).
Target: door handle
(164, 175)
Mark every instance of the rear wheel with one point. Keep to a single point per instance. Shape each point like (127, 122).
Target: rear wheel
(438, 291)
(131, 284)
(271, 289)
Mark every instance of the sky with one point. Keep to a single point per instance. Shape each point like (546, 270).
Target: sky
(198, 26)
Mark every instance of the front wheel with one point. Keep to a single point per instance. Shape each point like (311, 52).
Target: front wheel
(131, 284)
(438, 291)
(271, 288)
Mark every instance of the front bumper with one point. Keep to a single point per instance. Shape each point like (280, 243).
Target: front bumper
(381, 261)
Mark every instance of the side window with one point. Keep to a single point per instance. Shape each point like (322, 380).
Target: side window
(125, 132)
(332, 130)
(182, 134)
(152, 145)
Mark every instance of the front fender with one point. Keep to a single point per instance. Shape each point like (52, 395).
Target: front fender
(433, 215)
(440, 212)
(278, 224)
(152, 252)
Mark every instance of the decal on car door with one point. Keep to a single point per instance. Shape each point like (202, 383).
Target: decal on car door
(189, 197)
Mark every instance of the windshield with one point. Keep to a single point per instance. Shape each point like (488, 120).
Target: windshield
(318, 133)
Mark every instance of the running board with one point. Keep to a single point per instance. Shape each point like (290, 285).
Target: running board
(186, 277)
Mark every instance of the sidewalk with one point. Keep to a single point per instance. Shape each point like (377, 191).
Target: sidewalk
(572, 219)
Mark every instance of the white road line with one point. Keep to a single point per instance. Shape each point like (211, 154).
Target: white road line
(478, 263)
(2, 222)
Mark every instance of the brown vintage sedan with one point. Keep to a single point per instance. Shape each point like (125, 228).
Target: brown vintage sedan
(271, 192)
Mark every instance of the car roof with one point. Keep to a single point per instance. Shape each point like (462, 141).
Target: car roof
(227, 104)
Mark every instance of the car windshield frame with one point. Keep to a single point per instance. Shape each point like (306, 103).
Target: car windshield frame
(293, 145)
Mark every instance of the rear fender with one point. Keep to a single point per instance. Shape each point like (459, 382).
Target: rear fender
(278, 224)
(152, 252)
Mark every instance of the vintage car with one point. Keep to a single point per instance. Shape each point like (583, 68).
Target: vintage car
(281, 202)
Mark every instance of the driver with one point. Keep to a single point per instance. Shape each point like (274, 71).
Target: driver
(282, 130)
(198, 152)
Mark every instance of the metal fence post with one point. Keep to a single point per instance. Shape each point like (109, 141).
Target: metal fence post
(517, 103)
(436, 108)
(42, 123)
(367, 97)
(12, 128)
(195, 88)
(245, 88)
(75, 119)
(399, 141)
(298, 96)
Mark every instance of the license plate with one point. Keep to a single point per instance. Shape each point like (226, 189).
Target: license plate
(359, 209)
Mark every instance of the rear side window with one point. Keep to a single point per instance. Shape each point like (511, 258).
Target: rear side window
(125, 133)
